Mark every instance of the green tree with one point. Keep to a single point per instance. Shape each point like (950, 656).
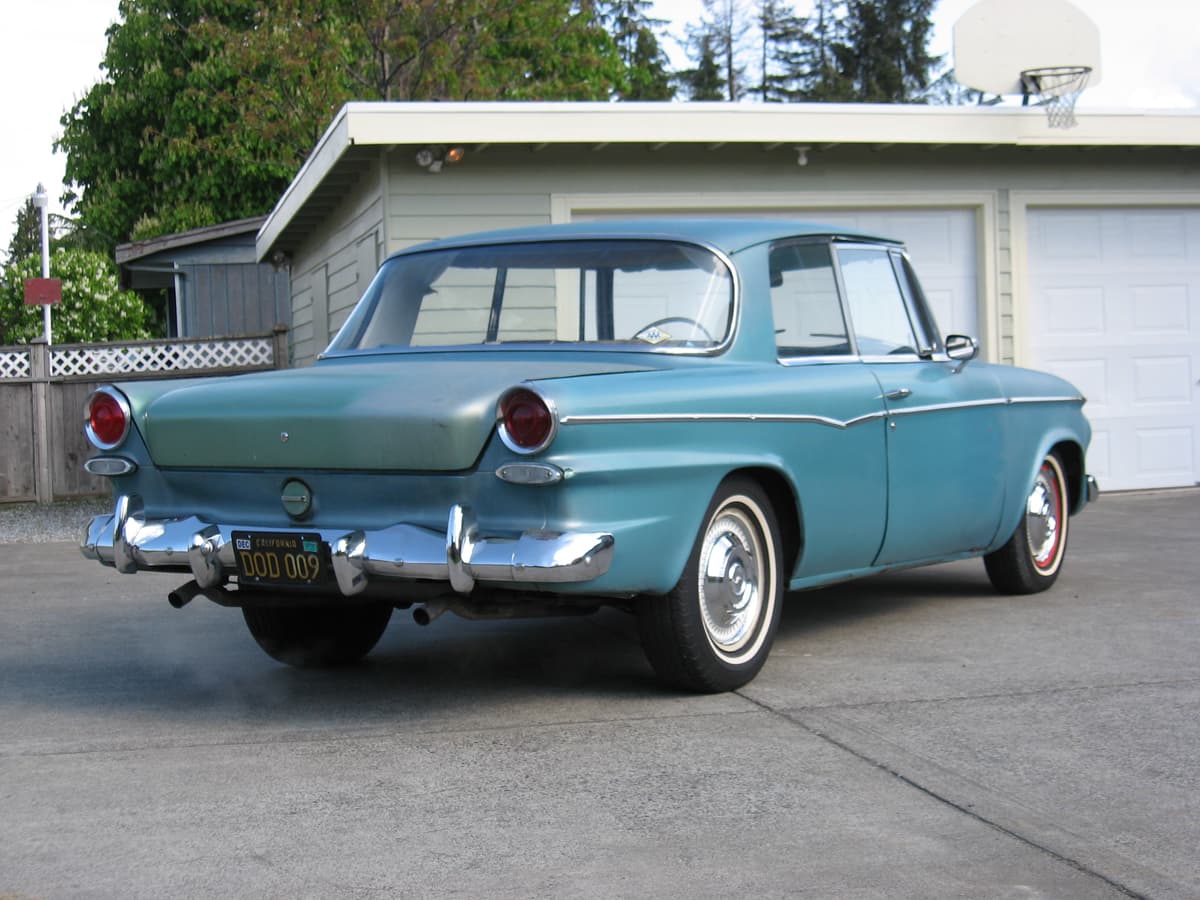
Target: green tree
(780, 52)
(647, 73)
(886, 53)
(27, 233)
(704, 82)
(722, 32)
(119, 136)
(93, 308)
(821, 44)
(208, 107)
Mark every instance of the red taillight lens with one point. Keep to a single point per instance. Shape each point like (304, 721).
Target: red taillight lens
(527, 423)
(107, 418)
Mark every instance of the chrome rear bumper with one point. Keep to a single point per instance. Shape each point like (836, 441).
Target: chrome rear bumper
(128, 541)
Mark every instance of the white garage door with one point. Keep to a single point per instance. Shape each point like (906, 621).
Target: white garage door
(941, 242)
(1115, 308)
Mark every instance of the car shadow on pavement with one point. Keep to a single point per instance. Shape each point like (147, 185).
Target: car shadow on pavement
(885, 595)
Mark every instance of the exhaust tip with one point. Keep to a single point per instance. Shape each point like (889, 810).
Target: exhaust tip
(184, 594)
(423, 615)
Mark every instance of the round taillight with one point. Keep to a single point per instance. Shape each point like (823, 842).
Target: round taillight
(527, 423)
(106, 418)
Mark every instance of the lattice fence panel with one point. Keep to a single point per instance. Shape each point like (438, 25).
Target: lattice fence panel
(14, 364)
(173, 357)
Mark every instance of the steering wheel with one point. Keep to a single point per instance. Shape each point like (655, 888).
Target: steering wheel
(687, 321)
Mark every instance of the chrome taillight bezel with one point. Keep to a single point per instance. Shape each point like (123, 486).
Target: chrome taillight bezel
(126, 412)
(502, 427)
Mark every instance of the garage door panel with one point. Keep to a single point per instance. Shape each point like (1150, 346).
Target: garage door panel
(1124, 327)
(1161, 308)
(1073, 311)
(1157, 235)
(1162, 379)
(1073, 237)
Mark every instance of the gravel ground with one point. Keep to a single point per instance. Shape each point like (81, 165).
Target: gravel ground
(29, 523)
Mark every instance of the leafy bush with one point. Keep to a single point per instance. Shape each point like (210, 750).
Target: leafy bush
(93, 308)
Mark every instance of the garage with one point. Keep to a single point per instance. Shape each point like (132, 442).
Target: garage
(941, 241)
(1114, 306)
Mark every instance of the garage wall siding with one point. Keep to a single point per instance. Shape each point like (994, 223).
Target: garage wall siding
(331, 269)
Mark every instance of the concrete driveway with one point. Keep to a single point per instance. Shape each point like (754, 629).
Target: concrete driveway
(913, 735)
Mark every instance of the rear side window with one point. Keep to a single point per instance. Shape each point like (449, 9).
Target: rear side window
(804, 301)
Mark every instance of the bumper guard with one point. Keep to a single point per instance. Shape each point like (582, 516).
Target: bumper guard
(128, 541)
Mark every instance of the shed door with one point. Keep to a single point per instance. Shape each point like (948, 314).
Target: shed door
(1115, 308)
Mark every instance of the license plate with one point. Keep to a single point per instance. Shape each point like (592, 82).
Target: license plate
(282, 559)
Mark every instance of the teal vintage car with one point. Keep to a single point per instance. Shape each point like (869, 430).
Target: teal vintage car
(684, 419)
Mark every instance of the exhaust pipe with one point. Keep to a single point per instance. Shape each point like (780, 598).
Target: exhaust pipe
(184, 594)
(423, 615)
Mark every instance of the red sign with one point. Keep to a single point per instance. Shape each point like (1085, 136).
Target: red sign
(43, 291)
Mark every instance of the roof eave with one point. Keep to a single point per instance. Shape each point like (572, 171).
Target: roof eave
(416, 124)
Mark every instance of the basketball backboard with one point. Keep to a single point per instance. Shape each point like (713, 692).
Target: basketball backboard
(996, 40)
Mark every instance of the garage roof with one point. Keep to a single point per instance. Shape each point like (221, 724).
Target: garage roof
(360, 129)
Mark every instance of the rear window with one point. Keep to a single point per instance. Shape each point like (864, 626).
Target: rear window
(619, 293)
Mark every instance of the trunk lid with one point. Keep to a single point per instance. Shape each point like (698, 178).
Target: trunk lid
(415, 413)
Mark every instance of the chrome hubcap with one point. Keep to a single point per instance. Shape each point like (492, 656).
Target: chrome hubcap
(731, 577)
(1042, 514)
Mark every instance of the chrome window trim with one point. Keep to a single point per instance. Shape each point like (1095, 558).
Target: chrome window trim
(735, 314)
(817, 360)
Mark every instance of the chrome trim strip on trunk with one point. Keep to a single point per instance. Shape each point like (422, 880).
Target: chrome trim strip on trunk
(659, 418)
(460, 555)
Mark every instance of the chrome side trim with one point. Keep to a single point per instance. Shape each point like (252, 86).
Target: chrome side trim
(1077, 398)
(656, 418)
(460, 555)
(939, 407)
(660, 418)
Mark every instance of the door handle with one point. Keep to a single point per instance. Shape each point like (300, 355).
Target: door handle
(898, 394)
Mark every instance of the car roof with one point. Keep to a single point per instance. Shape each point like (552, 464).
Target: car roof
(728, 235)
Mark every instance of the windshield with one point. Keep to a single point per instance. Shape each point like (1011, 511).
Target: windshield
(631, 293)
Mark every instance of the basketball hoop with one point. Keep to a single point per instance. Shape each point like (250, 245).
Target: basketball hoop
(1057, 88)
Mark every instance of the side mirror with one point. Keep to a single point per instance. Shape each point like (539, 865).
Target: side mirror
(961, 347)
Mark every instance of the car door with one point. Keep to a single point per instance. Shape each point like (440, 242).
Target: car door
(835, 448)
(945, 443)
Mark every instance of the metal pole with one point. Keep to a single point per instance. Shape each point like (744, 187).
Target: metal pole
(40, 200)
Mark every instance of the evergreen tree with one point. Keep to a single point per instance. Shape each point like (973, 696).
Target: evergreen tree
(822, 43)
(780, 52)
(720, 34)
(27, 234)
(704, 82)
(647, 69)
(886, 54)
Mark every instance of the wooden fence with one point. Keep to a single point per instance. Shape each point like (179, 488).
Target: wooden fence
(43, 389)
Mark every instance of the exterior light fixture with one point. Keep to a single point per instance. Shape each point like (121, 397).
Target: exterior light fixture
(433, 158)
(802, 155)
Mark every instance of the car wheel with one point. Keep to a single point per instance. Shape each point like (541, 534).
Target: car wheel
(1032, 558)
(313, 637)
(714, 630)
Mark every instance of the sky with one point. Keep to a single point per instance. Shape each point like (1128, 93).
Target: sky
(50, 54)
